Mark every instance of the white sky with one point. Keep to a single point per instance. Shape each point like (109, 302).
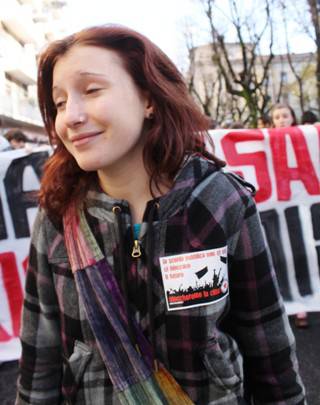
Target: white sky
(162, 21)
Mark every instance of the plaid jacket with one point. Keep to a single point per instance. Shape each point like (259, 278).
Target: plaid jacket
(240, 346)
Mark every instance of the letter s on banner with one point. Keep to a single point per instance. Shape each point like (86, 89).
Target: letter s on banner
(256, 159)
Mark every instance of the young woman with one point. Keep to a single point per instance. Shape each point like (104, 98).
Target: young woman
(283, 115)
(148, 272)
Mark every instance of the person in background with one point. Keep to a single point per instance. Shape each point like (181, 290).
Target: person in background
(17, 138)
(237, 125)
(282, 115)
(230, 124)
(212, 124)
(308, 117)
(264, 121)
(4, 144)
(149, 279)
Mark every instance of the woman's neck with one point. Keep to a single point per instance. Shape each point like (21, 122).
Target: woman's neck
(130, 185)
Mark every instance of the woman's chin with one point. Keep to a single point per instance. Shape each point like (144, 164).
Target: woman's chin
(88, 166)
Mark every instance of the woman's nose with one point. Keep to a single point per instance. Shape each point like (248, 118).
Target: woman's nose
(75, 114)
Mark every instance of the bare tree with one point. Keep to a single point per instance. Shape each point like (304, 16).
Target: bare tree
(204, 98)
(306, 15)
(315, 18)
(299, 74)
(210, 85)
(248, 82)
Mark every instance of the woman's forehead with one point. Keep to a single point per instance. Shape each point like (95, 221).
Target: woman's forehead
(85, 60)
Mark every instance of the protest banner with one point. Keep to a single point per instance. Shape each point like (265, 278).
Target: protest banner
(19, 180)
(283, 165)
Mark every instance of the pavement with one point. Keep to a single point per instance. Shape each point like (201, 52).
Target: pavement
(8, 378)
(308, 351)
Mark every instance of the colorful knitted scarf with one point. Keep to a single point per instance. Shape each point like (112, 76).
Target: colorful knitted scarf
(131, 369)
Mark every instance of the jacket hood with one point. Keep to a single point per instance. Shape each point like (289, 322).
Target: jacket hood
(193, 172)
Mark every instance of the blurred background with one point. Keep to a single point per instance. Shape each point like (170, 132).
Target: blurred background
(238, 57)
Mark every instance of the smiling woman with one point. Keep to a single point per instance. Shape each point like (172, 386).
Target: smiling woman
(100, 113)
(132, 189)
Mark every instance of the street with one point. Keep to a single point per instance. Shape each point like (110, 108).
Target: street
(307, 341)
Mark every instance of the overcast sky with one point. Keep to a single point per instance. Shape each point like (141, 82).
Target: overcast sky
(160, 20)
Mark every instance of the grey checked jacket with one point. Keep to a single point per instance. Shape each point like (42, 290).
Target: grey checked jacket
(238, 347)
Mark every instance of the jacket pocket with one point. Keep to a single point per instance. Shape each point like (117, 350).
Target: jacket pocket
(73, 370)
(223, 363)
(79, 360)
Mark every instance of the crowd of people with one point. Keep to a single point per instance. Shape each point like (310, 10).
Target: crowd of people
(17, 138)
(280, 115)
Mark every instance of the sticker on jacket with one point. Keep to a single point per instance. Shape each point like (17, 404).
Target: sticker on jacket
(195, 279)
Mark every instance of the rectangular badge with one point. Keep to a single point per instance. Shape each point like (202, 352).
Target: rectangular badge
(195, 279)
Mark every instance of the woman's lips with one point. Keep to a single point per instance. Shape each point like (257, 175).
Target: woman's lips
(84, 138)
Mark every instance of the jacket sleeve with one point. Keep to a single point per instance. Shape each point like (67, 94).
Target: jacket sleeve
(39, 381)
(258, 321)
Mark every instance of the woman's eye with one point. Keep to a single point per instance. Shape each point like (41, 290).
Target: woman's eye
(92, 90)
(59, 104)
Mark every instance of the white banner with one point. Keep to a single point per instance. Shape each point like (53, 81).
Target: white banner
(283, 164)
(19, 178)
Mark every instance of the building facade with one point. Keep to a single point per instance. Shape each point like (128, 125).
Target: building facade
(25, 27)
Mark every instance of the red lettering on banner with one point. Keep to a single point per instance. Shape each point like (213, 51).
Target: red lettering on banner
(284, 174)
(25, 264)
(4, 337)
(318, 130)
(14, 292)
(256, 159)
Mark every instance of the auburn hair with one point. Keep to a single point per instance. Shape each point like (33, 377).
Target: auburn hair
(178, 127)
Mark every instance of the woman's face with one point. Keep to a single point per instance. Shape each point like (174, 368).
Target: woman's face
(100, 110)
(282, 117)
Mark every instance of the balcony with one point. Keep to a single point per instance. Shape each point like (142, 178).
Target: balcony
(20, 108)
(19, 22)
(20, 63)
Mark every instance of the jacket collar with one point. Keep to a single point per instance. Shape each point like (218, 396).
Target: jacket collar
(193, 171)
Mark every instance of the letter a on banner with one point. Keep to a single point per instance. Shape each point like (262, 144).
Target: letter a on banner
(304, 171)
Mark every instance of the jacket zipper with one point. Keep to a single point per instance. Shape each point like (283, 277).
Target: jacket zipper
(136, 250)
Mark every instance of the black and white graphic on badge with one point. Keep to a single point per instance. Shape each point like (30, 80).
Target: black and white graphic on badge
(195, 279)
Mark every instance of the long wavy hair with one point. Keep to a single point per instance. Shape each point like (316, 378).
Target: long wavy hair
(177, 128)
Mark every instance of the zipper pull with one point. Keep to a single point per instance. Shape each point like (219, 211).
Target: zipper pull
(136, 251)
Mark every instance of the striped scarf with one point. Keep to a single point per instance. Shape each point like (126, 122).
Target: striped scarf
(131, 369)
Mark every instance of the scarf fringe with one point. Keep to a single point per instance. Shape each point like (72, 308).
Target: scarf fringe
(171, 389)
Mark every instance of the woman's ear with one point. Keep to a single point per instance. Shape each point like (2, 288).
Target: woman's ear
(149, 113)
(149, 109)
